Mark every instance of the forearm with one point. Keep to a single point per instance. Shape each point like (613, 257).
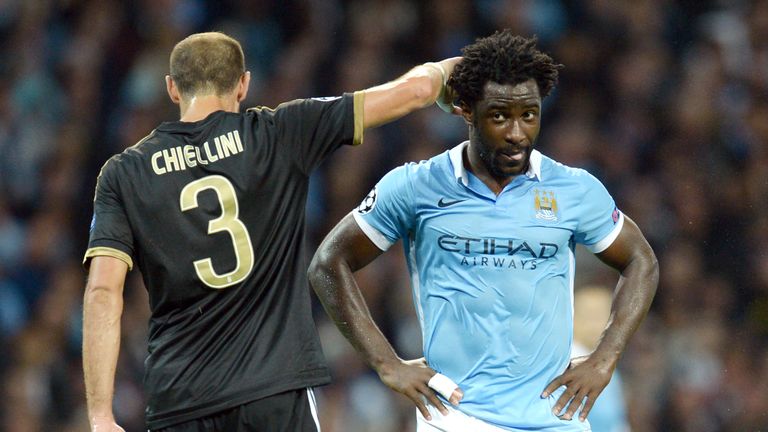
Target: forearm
(418, 88)
(340, 295)
(102, 309)
(632, 299)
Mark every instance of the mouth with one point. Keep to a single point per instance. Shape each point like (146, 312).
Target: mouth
(514, 157)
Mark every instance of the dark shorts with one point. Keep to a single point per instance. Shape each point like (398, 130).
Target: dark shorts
(292, 411)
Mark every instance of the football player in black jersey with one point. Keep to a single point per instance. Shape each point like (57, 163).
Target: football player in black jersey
(211, 210)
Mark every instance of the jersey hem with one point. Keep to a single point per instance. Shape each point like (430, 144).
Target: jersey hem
(313, 378)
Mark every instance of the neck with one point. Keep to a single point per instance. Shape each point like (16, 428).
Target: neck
(475, 165)
(200, 107)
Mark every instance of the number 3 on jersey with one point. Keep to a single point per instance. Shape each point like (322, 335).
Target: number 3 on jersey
(228, 222)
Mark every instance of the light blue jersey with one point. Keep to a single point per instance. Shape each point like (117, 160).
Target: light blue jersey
(492, 277)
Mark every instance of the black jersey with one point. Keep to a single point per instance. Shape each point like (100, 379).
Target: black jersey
(212, 212)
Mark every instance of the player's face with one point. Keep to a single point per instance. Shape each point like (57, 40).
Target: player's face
(504, 125)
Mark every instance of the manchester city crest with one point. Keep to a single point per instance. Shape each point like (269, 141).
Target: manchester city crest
(545, 204)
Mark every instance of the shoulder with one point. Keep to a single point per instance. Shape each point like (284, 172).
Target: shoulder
(553, 170)
(294, 105)
(120, 162)
(114, 165)
(412, 177)
(143, 143)
(432, 168)
(419, 174)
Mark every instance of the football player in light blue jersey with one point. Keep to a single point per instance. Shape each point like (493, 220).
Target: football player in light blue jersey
(489, 229)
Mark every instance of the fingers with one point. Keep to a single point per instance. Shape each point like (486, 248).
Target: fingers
(575, 404)
(587, 407)
(446, 387)
(435, 401)
(571, 400)
(554, 385)
(421, 384)
(580, 382)
(456, 397)
(562, 402)
(445, 100)
(423, 394)
(449, 63)
(420, 405)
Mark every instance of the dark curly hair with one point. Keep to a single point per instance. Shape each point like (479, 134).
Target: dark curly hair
(504, 58)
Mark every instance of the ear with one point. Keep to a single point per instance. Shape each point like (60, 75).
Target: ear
(173, 91)
(466, 113)
(242, 86)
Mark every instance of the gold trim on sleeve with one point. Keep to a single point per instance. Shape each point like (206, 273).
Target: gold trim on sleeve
(359, 103)
(110, 252)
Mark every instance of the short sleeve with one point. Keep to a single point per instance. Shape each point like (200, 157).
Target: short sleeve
(386, 213)
(600, 221)
(313, 128)
(110, 233)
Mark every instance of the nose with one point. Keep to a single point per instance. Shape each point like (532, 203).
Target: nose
(515, 133)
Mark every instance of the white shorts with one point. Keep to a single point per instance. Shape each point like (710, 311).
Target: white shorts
(455, 421)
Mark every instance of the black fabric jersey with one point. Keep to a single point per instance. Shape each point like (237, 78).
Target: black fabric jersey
(212, 212)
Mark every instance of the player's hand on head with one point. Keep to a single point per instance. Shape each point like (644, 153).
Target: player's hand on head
(446, 101)
(447, 98)
(584, 380)
(105, 424)
(412, 378)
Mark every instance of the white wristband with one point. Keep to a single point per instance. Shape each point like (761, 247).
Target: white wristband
(447, 107)
(443, 385)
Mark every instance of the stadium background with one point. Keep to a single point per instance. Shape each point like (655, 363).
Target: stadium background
(665, 101)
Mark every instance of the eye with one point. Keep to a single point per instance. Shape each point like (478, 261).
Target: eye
(530, 115)
(498, 116)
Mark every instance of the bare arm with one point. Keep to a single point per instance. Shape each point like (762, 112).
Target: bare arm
(345, 250)
(102, 309)
(418, 88)
(633, 257)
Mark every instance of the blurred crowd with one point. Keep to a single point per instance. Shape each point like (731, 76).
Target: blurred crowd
(665, 101)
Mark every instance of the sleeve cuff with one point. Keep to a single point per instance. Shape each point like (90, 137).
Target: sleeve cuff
(609, 239)
(358, 104)
(107, 251)
(379, 239)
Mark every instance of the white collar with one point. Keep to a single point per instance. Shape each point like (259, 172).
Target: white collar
(456, 155)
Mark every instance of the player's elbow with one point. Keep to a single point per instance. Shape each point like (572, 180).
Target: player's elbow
(645, 266)
(102, 295)
(320, 268)
(652, 266)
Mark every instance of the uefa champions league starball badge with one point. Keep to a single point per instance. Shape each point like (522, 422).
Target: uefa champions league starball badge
(369, 202)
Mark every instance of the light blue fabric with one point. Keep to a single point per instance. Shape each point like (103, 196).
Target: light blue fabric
(492, 277)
